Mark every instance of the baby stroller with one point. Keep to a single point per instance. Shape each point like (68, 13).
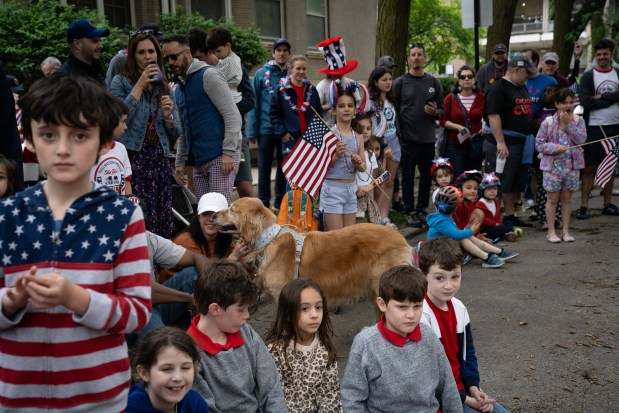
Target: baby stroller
(183, 202)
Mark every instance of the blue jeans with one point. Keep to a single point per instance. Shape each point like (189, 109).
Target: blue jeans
(497, 409)
(184, 280)
(461, 158)
(420, 156)
(266, 145)
(499, 231)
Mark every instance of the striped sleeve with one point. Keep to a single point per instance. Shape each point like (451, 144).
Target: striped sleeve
(127, 309)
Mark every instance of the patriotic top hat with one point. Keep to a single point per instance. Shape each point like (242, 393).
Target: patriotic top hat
(335, 55)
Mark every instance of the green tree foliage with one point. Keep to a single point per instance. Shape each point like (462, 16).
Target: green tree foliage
(31, 32)
(439, 26)
(245, 42)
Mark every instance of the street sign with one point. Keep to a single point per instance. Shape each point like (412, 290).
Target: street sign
(468, 13)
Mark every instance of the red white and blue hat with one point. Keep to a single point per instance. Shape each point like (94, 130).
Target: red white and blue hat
(488, 180)
(441, 162)
(334, 53)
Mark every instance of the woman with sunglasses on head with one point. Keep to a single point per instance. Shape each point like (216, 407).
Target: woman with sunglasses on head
(464, 109)
(152, 128)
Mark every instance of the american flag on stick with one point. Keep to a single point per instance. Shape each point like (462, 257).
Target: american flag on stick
(606, 169)
(306, 166)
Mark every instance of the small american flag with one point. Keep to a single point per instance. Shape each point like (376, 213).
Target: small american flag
(607, 168)
(307, 164)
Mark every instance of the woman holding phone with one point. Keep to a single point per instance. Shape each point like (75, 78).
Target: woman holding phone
(462, 118)
(152, 128)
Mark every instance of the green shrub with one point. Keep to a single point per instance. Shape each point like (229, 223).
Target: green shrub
(31, 32)
(448, 84)
(245, 42)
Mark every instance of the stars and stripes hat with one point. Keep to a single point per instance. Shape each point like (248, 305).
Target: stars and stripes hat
(334, 53)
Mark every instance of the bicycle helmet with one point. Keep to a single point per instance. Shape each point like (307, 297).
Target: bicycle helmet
(473, 174)
(447, 198)
(489, 180)
(441, 163)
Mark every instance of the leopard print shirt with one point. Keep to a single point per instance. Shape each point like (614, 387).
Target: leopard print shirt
(309, 386)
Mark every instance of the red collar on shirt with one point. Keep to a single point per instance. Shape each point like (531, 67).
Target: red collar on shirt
(233, 340)
(610, 69)
(395, 338)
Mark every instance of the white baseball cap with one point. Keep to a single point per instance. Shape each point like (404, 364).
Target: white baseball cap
(213, 202)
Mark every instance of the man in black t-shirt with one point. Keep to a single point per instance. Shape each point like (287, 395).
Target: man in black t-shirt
(508, 108)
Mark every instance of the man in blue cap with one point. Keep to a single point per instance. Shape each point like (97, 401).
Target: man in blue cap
(84, 40)
(259, 126)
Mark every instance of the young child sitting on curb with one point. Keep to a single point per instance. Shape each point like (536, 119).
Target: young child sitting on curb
(493, 226)
(441, 223)
(441, 261)
(442, 174)
(236, 371)
(398, 365)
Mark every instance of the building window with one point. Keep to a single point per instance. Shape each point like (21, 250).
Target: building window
(269, 18)
(118, 13)
(209, 9)
(80, 4)
(316, 22)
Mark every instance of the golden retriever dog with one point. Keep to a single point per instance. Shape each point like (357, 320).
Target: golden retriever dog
(347, 263)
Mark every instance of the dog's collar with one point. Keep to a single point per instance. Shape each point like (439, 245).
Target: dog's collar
(266, 236)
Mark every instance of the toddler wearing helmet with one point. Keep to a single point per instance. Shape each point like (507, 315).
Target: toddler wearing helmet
(442, 173)
(493, 226)
(441, 223)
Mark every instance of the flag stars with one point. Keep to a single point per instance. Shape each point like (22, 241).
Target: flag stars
(100, 209)
(37, 245)
(118, 202)
(40, 228)
(124, 211)
(92, 229)
(103, 240)
(19, 230)
(109, 256)
(117, 243)
(70, 229)
(8, 202)
(85, 244)
(6, 259)
(12, 246)
(24, 256)
(70, 211)
(69, 253)
(109, 217)
(15, 212)
(38, 192)
(85, 218)
(31, 218)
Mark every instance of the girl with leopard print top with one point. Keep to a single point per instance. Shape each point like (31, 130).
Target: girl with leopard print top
(302, 347)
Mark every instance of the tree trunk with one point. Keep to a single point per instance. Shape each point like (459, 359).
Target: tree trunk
(392, 32)
(503, 12)
(567, 29)
(561, 44)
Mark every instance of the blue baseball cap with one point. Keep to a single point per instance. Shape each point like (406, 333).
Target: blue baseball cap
(83, 28)
(279, 41)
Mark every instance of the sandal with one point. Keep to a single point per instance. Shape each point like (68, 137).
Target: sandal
(553, 238)
(387, 222)
(568, 238)
(610, 209)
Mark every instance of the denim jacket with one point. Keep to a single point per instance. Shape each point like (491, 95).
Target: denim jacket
(137, 121)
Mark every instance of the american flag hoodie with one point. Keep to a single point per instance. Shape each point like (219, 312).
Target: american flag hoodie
(53, 360)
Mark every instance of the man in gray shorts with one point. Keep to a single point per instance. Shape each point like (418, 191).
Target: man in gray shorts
(509, 111)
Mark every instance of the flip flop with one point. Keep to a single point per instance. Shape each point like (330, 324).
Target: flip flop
(553, 238)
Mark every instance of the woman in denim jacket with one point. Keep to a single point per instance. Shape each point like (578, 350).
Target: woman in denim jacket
(152, 128)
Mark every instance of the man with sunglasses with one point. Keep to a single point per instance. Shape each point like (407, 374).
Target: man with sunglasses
(419, 104)
(211, 119)
(494, 69)
(84, 40)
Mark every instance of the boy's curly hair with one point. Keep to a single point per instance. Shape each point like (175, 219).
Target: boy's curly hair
(442, 251)
(224, 283)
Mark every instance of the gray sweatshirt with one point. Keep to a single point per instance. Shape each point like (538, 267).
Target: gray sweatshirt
(242, 379)
(383, 377)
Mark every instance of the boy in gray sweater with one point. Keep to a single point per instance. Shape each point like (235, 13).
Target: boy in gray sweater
(399, 365)
(236, 372)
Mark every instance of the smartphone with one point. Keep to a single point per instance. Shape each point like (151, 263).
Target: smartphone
(431, 99)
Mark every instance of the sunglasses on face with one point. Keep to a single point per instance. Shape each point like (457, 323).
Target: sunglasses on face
(173, 57)
(418, 44)
(147, 32)
(462, 77)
